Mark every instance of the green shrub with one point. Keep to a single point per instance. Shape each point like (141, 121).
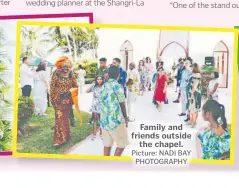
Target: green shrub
(25, 109)
(89, 80)
(90, 66)
(5, 135)
(208, 68)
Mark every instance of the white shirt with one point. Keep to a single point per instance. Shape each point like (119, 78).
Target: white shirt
(211, 86)
(135, 76)
(26, 76)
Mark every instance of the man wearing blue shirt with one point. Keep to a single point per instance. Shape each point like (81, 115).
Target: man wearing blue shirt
(179, 76)
(123, 75)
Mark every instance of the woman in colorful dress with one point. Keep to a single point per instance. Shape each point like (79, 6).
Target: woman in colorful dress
(141, 70)
(194, 95)
(212, 92)
(62, 82)
(149, 68)
(81, 79)
(95, 108)
(213, 143)
(160, 89)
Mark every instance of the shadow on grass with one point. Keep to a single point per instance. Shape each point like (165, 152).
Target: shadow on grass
(40, 140)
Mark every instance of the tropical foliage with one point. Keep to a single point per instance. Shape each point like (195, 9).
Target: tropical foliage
(5, 135)
(25, 109)
(69, 40)
(5, 126)
(4, 87)
(91, 67)
(208, 68)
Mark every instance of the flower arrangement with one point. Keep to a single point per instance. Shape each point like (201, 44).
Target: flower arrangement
(5, 135)
(170, 79)
(174, 67)
(25, 110)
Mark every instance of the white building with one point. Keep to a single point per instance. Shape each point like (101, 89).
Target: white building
(132, 45)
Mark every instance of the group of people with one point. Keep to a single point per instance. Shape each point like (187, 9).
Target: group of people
(114, 96)
(189, 90)
(38, 82)
(213, 142)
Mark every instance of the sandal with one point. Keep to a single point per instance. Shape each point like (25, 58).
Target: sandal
(101, 137)
(93, 138)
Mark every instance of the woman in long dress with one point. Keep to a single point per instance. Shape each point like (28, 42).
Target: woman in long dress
(149, 68)
(62, 82)
(160, 89)
(95, 107)
(141, 70)
(194, 95)
(41, 89)
(81, 79)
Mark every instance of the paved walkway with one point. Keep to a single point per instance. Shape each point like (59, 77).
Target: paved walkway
(145, 112)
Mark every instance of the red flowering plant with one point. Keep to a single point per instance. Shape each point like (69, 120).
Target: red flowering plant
(25, 110)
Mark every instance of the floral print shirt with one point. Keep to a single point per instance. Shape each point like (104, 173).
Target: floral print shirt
(213, 146)
(186, 74)
(111, 116)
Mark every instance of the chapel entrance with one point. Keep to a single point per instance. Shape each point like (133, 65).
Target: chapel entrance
(126, 51)
(221, 56)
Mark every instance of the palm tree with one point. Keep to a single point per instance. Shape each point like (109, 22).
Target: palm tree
(72, 41)
(4, 87)
(3, 55)
(30, 43)
(66, 31)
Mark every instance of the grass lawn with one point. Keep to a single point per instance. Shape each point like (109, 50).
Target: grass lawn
(41, 137)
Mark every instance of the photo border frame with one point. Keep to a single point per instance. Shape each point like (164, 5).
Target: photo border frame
(38, 16)
(122, 26)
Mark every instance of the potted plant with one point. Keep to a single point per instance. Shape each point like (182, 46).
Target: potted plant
(25, 112)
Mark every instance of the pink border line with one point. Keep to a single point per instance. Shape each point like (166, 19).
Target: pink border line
(7, 153)
(36, 16)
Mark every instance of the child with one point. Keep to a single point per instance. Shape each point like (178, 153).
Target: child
(213, 142)
(95, 108)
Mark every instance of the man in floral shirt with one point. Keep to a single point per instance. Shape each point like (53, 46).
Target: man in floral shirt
(113, 115)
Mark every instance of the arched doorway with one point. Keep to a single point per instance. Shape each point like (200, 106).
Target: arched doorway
(170, 56)
(221, 55)
(174, 42)
(126, 51)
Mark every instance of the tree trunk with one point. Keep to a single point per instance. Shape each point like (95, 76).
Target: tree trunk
(69, 45)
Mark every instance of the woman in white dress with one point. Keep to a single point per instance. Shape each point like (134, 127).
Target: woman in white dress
(41, 85)
(81, 79)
